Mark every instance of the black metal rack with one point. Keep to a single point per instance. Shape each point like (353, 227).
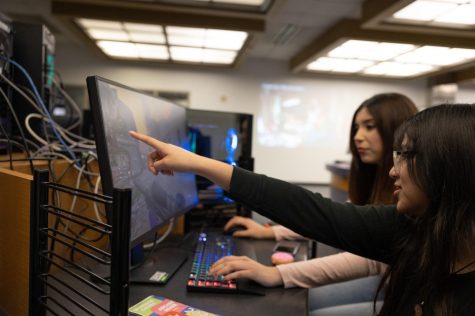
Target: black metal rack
(61, 286)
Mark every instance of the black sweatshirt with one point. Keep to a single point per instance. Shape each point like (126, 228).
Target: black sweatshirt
(369, 231)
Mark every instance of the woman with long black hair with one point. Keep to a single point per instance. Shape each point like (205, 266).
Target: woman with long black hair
(427, 238)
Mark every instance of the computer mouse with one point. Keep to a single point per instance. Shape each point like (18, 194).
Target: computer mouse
(234, 228)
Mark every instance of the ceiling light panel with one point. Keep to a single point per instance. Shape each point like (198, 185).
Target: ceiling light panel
(147, 41)
(206, 38)
(438, 13)
(389, 59)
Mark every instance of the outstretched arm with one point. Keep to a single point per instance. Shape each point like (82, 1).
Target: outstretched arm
(167, 158)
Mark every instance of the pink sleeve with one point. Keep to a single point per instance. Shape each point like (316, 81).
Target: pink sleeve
(330, 269)
(282, 233)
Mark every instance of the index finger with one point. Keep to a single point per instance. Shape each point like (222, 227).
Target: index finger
(155, 143)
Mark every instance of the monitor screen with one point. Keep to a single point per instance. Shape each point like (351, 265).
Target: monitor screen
(224, 136)
(117, 109)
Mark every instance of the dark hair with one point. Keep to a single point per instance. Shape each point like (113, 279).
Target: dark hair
(442, 139)
(370, 183)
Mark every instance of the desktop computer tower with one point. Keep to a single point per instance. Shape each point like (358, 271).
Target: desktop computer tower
(6, 49)
(33, 49)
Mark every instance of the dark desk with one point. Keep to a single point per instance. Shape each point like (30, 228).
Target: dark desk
(277, 301)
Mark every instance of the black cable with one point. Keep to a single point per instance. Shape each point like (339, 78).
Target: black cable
(9, 145)
(33, 144)
(13, 142)
(20, 128)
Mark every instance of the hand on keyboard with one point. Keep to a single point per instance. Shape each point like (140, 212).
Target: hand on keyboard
(234, 267)
(250, 228)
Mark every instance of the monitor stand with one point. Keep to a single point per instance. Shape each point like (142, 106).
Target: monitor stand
(158, 267)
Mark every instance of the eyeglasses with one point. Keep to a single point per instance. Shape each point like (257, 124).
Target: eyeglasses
(399, 156)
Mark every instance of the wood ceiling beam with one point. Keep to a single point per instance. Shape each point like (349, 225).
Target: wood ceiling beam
(157, 14)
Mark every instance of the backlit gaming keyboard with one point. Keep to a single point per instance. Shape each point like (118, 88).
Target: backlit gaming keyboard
(210, 247)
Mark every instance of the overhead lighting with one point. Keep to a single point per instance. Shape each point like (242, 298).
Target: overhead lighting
(133, 51)
(149, 41)
(200, 55)
(339, 65)
(394, 69)
(206, 38)
(388, 59)
(449, 17)
(424, 10)
(439, 12)
(347, 47)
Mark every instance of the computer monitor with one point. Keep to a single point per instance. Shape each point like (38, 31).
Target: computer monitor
(225, 136)
(117, 109)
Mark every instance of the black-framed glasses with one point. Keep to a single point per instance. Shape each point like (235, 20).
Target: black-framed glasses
(399, 156)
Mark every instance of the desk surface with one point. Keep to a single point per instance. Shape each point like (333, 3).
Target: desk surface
(277, 301)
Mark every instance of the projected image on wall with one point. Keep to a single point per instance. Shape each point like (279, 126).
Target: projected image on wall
(293, 117)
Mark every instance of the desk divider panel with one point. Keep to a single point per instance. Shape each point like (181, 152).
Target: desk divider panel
(62, 285)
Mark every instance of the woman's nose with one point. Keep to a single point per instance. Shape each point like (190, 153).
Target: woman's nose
(393, 173)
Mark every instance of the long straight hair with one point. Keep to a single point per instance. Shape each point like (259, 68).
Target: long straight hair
(442, 139)
(370, 183)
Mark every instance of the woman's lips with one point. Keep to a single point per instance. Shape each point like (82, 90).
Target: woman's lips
(397, 190)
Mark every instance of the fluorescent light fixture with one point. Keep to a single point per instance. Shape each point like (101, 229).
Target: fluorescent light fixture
(200, 55)
(218, 56)
(186, 40)
(369, 50)
(393, 69)
(119, 49)
(132, 50)
(149, 41)
(155, 38)
(147, 51)
(111, 35)
(100, 24)
(231, 40)
(139, 27)
(424, 10)
(438, 12)
(188, 54)
(339, 64)
(389, 59)
(207, 38)
(463, 14)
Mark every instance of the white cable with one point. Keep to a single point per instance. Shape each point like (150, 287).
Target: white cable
(70, 161)
(171, 224)
(73, 202)
(36, 136)
(60, 130)
(96, 208)
(35, 105)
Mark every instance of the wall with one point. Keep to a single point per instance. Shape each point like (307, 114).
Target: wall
(465, 94)
(239, 90)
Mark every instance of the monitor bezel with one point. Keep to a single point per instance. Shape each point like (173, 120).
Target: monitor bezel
(101, 145)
